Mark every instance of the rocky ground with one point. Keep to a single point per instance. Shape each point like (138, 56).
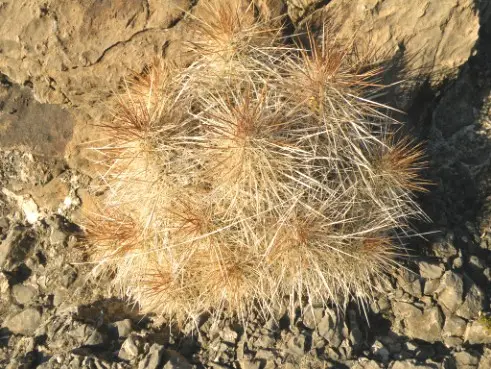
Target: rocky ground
(434, 315)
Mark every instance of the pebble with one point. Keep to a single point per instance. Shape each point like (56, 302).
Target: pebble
(430, 271)
(26, 322)
(473, 304)
(450, 292)
(454, 326)
(129, 349)
(123, 327)
(153, 359)
(478, 332)
(22, 294)
(380, 352)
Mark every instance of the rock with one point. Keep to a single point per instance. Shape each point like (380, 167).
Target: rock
(129, 349)
(473, 304)
(296, 345)
(430, 270)
(450, 292)
(228, 335)
(249, 364)
(175, 360)
(26, 322)
(312, 316)
(123, 327)
(412, 317)
(380, 352)
(478, 332)
(14, 249)
(453, 341)
(458, 262)
(154, 358)
(431, 286)
(57, 237)
(96, 338)
(331, 328)
(52, 195)
(410, 283)
(485, 362)
(450, 29)
(264, 341)
(364, 363)
(22, 294)
(466, 360)
(476, 263)
(454, 326)
(409, 364)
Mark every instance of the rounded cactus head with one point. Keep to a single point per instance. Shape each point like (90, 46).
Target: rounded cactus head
(259, 176)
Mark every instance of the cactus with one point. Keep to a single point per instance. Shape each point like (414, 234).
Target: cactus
(259, 176)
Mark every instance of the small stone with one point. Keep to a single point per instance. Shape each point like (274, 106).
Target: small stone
(26, 322)
(264, 341)
(15, 247)
(453, 341)
(228, 335)
(431, 286)
(450, 292)
(380, 352)
(458, 262)
(487, 274)
(23, 295)
(478, 332)
(454, 326)
(485, 362)
(123, 327)
(473, 304)
(264, 354)
(430, 271)
(445, 248)
(364, 363)
(312, 316)
(69, 276)
(331, 329)
(409, 364)
(466, 360)
(96, 338)
(476, 263)
(249, 364)
(410, 283)
(296, 345)
(59, 296)
(128, 350)
(57, 237)
(175, 360)
(412, 317)
(153, 359)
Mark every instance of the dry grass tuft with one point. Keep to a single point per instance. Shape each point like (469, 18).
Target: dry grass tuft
(258, 177)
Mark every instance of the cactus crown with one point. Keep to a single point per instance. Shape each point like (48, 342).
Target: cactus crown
(259, 175)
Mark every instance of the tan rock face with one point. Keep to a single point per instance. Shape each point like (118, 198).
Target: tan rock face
(434, 36)
(71, 51)
(77, 52)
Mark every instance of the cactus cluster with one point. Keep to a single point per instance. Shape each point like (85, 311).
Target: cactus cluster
(261, 175)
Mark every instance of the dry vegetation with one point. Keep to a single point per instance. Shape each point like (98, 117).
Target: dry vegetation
(259, 176)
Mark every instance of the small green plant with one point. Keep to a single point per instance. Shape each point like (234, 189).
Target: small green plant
(485, 320)
(258, 176)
